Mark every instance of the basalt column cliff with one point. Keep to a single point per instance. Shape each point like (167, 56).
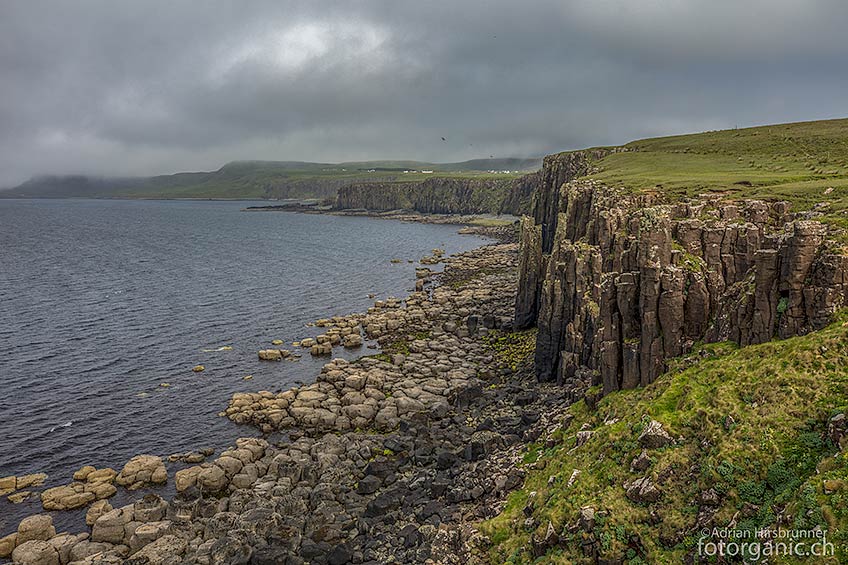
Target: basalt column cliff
(618, 282)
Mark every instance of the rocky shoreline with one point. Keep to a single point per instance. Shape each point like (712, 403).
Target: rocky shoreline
(387, 459)
(472, 223)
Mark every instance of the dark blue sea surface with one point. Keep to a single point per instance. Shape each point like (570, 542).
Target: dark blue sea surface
(102, 301)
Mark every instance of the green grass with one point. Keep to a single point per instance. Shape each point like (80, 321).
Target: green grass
(797, 162)
(490, 222)
(750, 424)
(512, 349)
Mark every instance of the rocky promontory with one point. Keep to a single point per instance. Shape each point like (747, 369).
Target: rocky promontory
(618, 282)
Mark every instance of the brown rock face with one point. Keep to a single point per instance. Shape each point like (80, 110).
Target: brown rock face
(619, 283)
(530, 269)
(441, 195)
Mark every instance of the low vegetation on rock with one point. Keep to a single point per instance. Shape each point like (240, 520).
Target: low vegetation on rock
(757, 439)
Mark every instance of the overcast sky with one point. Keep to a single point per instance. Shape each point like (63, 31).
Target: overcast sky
(135, 88)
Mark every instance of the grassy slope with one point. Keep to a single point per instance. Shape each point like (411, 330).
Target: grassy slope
(796, 162)
(778, 396)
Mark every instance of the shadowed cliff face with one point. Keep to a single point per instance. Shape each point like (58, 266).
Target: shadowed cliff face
(442, 195)
(619, 283)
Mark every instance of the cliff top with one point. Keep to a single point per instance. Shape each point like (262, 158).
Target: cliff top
(805, 163)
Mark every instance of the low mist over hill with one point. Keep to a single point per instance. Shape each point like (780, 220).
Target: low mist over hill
(265, 179)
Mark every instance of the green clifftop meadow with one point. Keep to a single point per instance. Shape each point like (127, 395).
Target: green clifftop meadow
(805, 163)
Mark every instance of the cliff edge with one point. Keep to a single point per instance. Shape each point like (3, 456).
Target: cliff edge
(619, 280)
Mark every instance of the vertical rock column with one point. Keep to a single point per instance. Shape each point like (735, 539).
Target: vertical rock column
(796, 259)
(530, 270)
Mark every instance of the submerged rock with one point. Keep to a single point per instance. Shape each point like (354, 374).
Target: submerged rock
(273, 354)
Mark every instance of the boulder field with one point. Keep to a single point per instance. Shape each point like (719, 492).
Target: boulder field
(387, 459)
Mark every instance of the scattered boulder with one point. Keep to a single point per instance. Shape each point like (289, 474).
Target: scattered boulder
(67, 497)
(151, 508)
(273, 354)
(38, 527)
(212, 478)
(29, 481)
(12, 483)
(586, 521)
(7, 545)
(642, 490)
(186, 478)
(709, 497)
(85, 549)
(148, 533)
(654, 436)
(584, 436)
(36, 553)
(325, 348)
(142, 470)
(352, 340)
(84, 472)
(7, 485)
(837, 431)
(19, 497)
(541, 545)
(641, 462)
(198, 368)
(110, 527)
(97, 510)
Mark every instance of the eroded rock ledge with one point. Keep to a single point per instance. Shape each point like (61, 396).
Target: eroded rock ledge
(618, 283)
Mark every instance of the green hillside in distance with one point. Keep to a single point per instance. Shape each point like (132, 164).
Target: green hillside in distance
(265, 179)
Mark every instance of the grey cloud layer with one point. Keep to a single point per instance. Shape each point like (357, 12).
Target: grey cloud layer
(159, 86)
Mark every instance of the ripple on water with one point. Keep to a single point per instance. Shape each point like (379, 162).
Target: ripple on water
(101, 301)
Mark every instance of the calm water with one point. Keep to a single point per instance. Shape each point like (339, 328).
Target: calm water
(101, 301)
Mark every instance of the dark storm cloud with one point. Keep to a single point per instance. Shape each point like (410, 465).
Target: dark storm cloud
(159, 86)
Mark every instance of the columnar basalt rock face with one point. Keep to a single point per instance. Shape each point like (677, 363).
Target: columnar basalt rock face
(622, 282)
(556, 170)
(530, 268)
